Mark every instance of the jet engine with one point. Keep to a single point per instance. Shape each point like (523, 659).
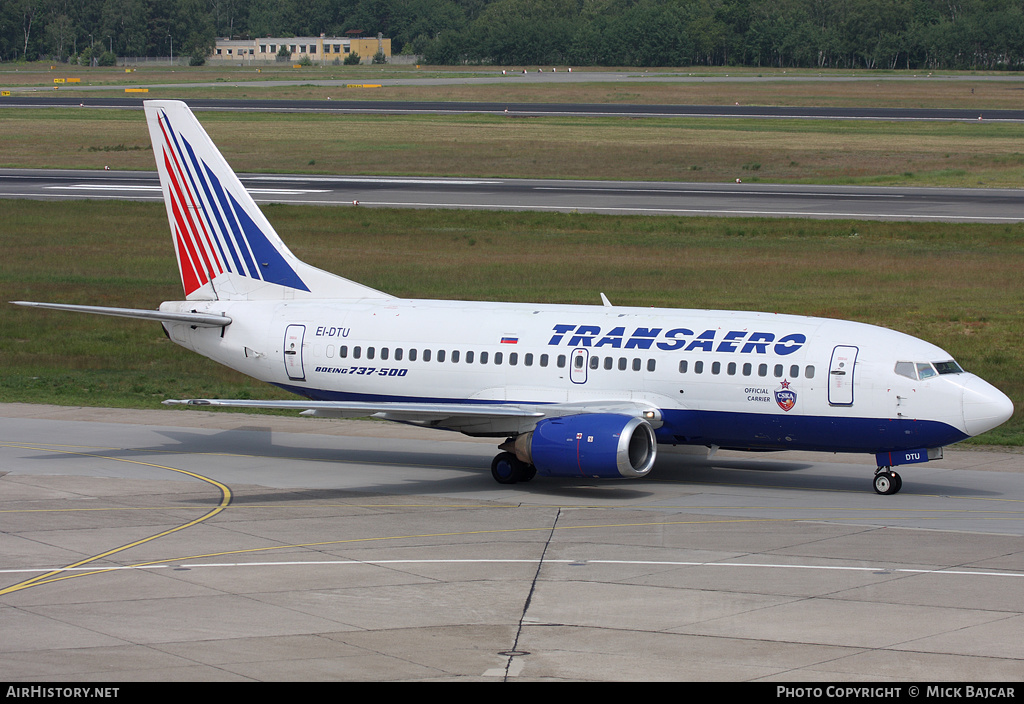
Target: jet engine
(604, 445)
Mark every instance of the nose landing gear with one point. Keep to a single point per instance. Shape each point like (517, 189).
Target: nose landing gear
(887, 481)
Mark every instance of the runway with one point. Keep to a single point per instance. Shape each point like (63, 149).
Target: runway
(608, 197)
(164, 545)
(424, 107)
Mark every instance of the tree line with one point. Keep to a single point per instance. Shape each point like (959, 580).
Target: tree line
(872, 34)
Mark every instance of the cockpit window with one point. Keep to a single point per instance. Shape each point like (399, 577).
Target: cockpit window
(948, 367)
(906, 369)
(925, 370)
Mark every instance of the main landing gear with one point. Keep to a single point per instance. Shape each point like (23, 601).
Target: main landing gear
(506, 468)
(887, 481)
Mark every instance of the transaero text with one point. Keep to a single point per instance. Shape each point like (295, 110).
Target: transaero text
(683, 339)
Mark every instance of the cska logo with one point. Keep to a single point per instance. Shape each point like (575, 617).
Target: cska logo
(785, 397)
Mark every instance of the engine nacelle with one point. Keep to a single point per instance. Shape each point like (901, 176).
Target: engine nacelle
(605, 445)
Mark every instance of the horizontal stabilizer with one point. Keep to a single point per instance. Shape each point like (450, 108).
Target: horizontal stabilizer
(200, 320)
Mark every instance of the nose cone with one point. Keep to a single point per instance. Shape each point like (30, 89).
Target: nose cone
(985, 406)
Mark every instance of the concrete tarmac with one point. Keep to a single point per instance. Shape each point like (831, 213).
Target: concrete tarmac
(183, 545)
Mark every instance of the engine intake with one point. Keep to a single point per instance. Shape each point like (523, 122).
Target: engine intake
(604, 445)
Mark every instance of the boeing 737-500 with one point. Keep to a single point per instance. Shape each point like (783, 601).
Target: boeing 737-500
(574, 391)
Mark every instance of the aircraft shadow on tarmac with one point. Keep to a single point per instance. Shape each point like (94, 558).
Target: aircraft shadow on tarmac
(473, 468)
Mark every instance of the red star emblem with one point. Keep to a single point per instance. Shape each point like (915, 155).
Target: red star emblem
(785, 384)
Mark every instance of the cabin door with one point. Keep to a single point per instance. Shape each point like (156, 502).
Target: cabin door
(293, 335)
(840, 375)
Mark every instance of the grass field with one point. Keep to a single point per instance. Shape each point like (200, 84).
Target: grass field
(958, 286)
(701, 86)
(976, 154)
(985, 154)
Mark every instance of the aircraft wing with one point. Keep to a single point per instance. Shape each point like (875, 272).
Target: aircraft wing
(458, 414)
(421, 411)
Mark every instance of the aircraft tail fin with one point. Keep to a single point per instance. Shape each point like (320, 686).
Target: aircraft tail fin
(226, 248)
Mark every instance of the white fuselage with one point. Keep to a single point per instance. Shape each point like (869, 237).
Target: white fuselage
(726, 378)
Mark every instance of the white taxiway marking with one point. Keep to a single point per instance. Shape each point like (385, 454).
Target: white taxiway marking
(101, 187)
(156, 189)
(371, 179)
(684, 211)
(738, 192)
(878, 569)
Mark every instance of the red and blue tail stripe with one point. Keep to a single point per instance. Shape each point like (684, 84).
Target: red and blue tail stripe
(214, 232)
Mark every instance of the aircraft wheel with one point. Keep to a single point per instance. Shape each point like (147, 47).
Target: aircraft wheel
(887, 481)
(507, 469)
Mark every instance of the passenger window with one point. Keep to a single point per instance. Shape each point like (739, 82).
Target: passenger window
(698, 367)
(609, 362)
(513, 358)
(357, 352)
(426, 355)
(578, 362)
(636, 364)
(595, 362)
(384, 352)
(370, 352)
(731, 369)
(330, 351)
(682, 366)
(561, 361)
(716, 367)
(748, 369)
(809, 371)
(455, 356)
(398, 354)
(528, 359)
(469, 357)
(412, 355)
(650, 365)
(778, 371)
(622, 364)
(497, 357)
(483, 358)
(794, 371)
(440, 355)
(543, 360)
(762, 370)
(343, 351)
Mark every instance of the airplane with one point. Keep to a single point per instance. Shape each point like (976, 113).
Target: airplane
(574, 390)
